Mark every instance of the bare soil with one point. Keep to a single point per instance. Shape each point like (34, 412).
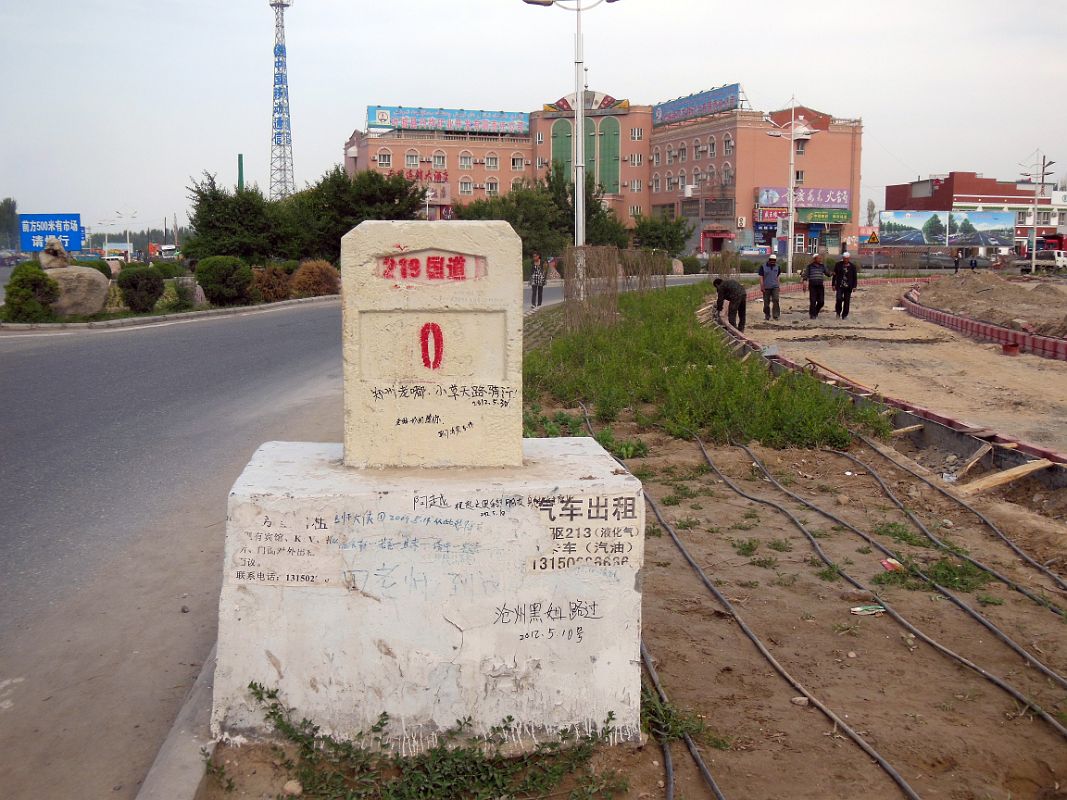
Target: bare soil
(949, 732)
(1038, 305)
(900, 356)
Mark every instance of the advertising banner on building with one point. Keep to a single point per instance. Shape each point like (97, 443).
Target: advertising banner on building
(594, 102)
(834, 216)
(946, 228)
(447, 119)
(36, 229)
(771, 214)
(701, 104)
(804, 197)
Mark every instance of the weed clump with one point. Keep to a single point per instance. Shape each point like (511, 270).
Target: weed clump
(314, 279)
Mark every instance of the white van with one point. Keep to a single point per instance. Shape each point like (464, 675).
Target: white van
(1048, 260)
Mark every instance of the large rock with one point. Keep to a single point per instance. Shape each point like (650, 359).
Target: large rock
(82, 291)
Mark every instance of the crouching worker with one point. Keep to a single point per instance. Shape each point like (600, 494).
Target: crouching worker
(732, 292)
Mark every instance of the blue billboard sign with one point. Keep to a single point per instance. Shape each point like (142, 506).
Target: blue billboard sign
(725, 98)
(448, 119)
(36, 229)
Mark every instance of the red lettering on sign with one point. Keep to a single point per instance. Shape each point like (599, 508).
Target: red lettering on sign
(432, 329)
(410, 267)
(389, 263)
(457, 268)
(435, 267)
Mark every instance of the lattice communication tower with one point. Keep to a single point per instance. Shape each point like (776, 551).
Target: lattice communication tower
(282, 183)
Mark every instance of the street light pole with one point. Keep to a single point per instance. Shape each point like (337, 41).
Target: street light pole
(792, 184)
(1039, 191)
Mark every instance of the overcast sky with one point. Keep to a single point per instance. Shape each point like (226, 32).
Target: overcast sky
(111, 105)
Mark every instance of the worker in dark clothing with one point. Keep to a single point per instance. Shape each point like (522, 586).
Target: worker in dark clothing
(814, 276)
(734, 293)
(844, 281)
(769, 283)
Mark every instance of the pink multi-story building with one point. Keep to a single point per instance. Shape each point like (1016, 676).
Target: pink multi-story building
(702, 157)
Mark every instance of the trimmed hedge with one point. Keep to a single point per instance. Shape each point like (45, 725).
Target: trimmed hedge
(170, 269)
(314, 279)
(29, 294)
(226, 280)
(269, 284)
(141, 288)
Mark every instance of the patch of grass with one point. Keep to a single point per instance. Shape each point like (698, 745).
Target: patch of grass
(669, 723)
(742, 526)
(785, 478)
(653, 531)
(807, 616)
(713, 529)
(657, 354)
(766, 562)
(459, 765)
(785, 580)
(683, 491)
(643, 473)
(817, 533)
(686, 524)
(629, 448)
(749, 584)
(962, 576)
(901, 533)
(671, 500)
(988, 600)
(865, 550)
(842, 629)
(751, 514)
(902, 578)
(745, 547)
(830, 573)
(696, 507)
(781, 545)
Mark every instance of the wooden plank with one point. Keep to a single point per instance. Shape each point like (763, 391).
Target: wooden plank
(1006, 445)
(1003, 477)
(841, 375)
(978, 455)
(907, 429)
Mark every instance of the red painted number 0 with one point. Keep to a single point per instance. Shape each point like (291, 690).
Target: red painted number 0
(431, 331)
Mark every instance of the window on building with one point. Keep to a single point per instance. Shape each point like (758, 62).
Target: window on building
(682, 152)
(542, 162)
(798, 243)
(712, 175)
(1021, 217)
(727, 174)
(681, 179)
(492, 161)
(517, 163)
(466, 186)
(637, 134)
(711, 147)
(492, 187)
(516, 183)
(698, 178)
(655, 183)
(466, 160)
(1044, 217)
(540, 137)
(697, 150)
(813, 246)
(635, 185)
(727, 145)
(411, 159)
(670, 155)
(635, 211)
(799, 177)
(671, 183)
(802, 145)
(655, 157)
(439, 160)
(636, 159)
(385, 158)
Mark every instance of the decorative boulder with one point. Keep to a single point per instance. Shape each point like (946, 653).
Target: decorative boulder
(82, 291)
(677, 267)
(54, 256)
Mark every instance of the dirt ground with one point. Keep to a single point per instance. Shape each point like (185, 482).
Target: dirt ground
(1035, 304)
(889, 350)
(945, 729)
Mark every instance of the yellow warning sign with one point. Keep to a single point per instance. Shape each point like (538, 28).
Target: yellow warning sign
(873, 238)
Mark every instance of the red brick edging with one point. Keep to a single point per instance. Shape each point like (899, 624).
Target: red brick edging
(1046, 346)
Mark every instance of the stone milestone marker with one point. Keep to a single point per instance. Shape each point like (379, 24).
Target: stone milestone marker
(438, 566)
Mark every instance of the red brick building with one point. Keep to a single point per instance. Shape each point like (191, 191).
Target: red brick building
(968, 191)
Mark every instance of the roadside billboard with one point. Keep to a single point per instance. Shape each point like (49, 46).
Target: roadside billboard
(447, 119)
(36, 229)
(946, 228)
(725, 98)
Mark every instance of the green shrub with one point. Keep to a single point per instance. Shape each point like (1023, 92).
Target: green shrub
(226, 280)
(290, 266)
(314, 279)
(691, 265)
(170, 269)
(270, 284)
(29, 294)
(141, 287)
(96, 263)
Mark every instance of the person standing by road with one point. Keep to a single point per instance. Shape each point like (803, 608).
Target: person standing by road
(974, 264)
(814, 276)
(770, 285)
(956, 264)
(733, 292)
(844, 281)
(537, 281)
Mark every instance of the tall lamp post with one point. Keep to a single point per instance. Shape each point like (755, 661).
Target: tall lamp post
(1039, 189)
(796, 134)
(579, 110)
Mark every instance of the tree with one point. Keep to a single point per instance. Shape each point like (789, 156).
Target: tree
(531, 211)
(660, 233)
(9, 224)
(934, 230)
(966, 227)
(872, 212)
(228, 224)
(952, 226)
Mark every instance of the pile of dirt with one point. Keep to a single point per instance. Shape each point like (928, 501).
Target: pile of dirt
(1033, 305)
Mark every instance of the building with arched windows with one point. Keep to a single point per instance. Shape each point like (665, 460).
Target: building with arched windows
(703, 157)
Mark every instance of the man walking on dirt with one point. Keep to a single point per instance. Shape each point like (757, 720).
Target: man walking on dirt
(814, 276)
(733, 292)
(769, 285)
(844, 281)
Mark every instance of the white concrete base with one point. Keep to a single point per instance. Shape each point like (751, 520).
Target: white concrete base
(433, 595)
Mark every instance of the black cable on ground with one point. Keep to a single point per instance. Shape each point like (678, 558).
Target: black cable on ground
(725, 602)
(960, 501)
(976, 615)
(1015, 694)
(1041, 601)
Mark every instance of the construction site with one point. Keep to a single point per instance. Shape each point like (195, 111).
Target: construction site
(880, 615)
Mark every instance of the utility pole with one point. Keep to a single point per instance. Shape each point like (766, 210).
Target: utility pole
(1039, 189)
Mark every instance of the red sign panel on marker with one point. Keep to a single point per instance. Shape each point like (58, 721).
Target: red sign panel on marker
(431, 266)
(432, 331)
